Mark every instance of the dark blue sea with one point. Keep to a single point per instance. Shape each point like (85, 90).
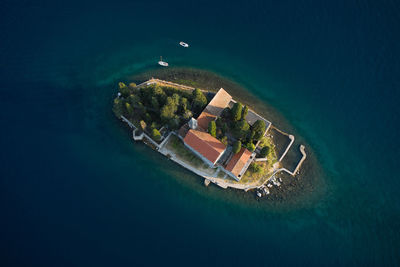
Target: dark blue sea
(75, 190)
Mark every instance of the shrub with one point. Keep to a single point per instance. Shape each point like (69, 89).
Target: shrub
(251, 147)
(212, 128)
(263, 141)
(156, 135)
(255, 168)
(264, 151)
(224, 140)
(236, 147)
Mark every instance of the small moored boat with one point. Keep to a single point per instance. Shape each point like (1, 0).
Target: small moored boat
(162, 63)
(183, 44)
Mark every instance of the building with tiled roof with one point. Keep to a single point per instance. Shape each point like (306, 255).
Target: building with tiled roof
(207, 147)
(239, 163)
(214, 109)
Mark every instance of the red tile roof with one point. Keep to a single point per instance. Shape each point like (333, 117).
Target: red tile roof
(238, 161)
(214, 109)
(205, 144)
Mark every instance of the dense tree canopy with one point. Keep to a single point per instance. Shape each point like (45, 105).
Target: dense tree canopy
(154, 103)
(118, 107)
(183, 104)
(236, 147)
(199, 100)
(159, 93)
(258, 129)
(129, 109)
(236, 111)
(259, 125)
(241, 129)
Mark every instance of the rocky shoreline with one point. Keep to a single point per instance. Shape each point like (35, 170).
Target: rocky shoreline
(305, 184)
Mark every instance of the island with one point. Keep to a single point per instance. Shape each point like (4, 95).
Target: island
(208, 133)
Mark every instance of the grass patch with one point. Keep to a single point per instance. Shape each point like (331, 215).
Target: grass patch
(255, 172)
(221, 174)
(183, 153)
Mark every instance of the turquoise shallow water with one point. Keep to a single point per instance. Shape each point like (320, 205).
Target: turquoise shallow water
(75, 190)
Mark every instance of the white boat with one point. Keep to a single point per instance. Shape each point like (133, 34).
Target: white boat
(162, 63)
(266, 190)
(183, 44)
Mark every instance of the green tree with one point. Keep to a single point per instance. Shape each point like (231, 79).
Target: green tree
(121, 85)
(236, 111)
(156, 135)
(158, 92)
(154, 103)
(199, 100)
(118, 107)
(187, 114)
(250, 146)
(167, 113)
(147, 117)
(212, 128)
(134, 100)
(259, 125)
(259, 129)
(174, 123)
(241, 129)
(143, 125)
(236, 147)
(129, 109)
(224, 140)
(224, 128)
(264, 152)
(245, 111)
(176, 98)
(124, 90)
(183, 104)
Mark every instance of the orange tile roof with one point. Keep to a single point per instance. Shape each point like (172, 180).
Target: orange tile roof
(238, 161)
(219, 102)
(207, 145)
